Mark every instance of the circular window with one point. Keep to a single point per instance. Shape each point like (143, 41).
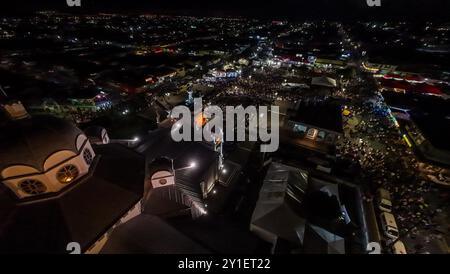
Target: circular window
(162, 182)
(67, 174)
(32, 187)
(88, 157)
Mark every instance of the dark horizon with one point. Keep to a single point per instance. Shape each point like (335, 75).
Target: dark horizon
(282, 9)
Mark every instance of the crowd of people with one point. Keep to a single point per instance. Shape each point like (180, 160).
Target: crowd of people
(386, 162)
(267, 84)
(375, 142)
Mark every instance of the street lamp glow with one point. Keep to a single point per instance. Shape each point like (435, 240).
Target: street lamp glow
(136, 139)
(193, 165)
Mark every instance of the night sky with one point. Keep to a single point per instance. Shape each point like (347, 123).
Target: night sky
(301, 9)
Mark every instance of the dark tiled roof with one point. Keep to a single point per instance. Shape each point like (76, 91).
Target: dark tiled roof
(435, 128)
(183, 153)
(31, 141)
(94, 131)
(151, 235)
(326, 115)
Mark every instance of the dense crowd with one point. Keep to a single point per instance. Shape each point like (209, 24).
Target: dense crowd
(386, 162)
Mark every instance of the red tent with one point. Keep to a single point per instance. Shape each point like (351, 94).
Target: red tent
(395, 84)
(414, 77)
(426, 88)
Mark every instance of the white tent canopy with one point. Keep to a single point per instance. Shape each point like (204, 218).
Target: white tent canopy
(319, 240)
(272, 205)
(276, 215)
(324, 82)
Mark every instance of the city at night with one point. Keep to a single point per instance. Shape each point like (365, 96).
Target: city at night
(242, 128)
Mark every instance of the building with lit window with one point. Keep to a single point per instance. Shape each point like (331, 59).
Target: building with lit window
(314, 125)
(171, 183)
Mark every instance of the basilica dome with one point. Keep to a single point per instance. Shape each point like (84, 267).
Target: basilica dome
(42, 154)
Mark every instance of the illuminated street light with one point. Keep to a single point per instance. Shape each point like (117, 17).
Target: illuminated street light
(192, 165)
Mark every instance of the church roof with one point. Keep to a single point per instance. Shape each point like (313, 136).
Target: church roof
(151, 235)
(94, 131)
(82, 213)
(31, 141)
(188, 181)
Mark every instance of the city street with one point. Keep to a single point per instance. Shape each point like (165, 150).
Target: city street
(420, 206)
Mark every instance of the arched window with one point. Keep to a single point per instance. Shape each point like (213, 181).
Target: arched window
(67, 174)
(32, 187)
(300, 128)
(87, 156)
(162, 178)
(321, 135)
(330, 138)
(312, 133)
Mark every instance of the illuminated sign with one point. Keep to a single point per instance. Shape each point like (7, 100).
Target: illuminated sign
(407, 140)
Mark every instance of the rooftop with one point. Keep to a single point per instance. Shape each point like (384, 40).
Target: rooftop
(82, 213)
(435, 128)
(323, 114)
